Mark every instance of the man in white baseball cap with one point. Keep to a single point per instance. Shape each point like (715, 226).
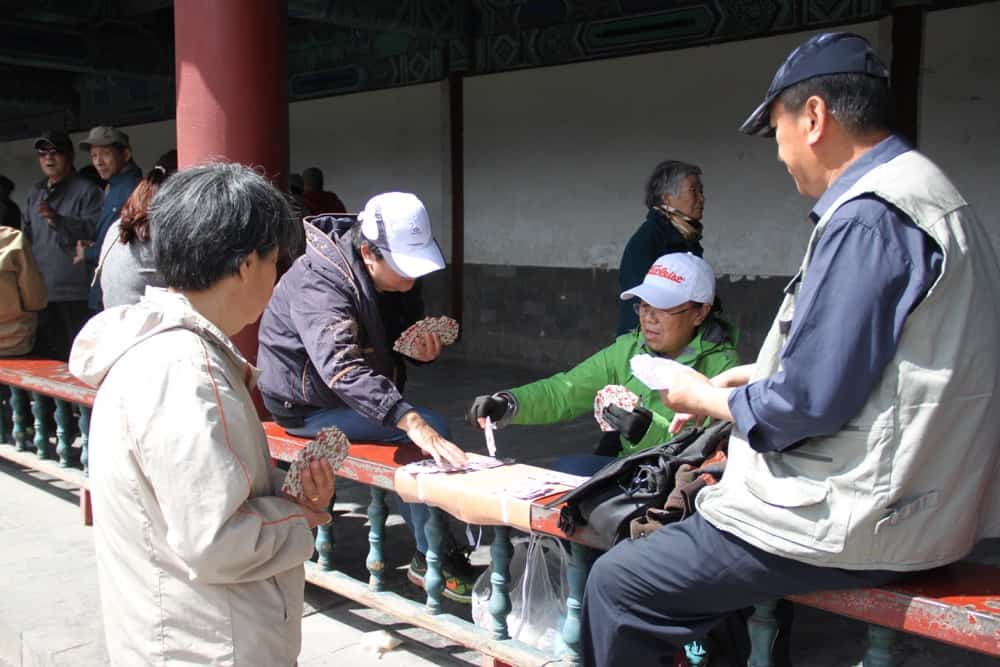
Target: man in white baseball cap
(326, 337)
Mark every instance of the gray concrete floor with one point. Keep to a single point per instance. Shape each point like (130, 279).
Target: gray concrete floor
(49, 606)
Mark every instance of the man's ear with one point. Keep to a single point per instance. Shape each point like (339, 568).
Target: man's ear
(127, 152)
(815, 116)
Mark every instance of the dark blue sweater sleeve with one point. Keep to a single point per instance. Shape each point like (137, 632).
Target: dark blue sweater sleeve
(870, 268)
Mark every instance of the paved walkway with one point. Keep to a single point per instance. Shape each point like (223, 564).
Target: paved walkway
(49, 604)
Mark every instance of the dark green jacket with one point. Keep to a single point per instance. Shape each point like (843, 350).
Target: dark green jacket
(654, 238)
(567, 395)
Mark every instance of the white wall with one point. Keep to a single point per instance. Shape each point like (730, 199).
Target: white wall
(960, 105)
(556, 158)
(373, 142)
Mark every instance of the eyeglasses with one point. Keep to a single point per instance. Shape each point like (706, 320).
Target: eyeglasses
(47, 152)
(643, 309)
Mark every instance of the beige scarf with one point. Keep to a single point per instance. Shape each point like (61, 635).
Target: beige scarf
(688, 227)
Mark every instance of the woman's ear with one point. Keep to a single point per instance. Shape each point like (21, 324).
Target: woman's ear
(246, 265)
(705, 309)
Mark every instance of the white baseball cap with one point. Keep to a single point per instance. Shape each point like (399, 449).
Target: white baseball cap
(398, 224)
(675, 279)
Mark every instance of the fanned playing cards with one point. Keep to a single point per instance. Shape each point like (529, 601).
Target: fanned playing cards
(613, 394)
(408, 342)
(330, 444)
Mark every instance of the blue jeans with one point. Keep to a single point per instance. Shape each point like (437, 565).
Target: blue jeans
(584, 465)
(360, 429)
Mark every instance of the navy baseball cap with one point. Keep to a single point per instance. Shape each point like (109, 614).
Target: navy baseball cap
(828, 53)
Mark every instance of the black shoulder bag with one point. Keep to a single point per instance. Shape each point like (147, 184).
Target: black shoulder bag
(624, 489)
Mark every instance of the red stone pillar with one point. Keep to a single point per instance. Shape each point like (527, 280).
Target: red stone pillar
(232, 91)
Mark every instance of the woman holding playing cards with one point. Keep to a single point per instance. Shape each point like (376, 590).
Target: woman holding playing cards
(326, 351)
(674, 304)
(199, 557)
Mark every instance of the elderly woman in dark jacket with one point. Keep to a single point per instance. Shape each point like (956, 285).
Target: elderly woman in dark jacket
(675, 200)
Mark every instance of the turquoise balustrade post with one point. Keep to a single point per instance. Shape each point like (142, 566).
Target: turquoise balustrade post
(434, 579)
(763, 629)
(64, 427)
(6, 423)
(85, 438)
(879, 653)
(375, 562)
(500, 606)
(325, 541)
(581, 558)
(40, 409)
(19, 418)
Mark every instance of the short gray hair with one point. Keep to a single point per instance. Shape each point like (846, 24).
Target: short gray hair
(861, 103)
(206, 220)
(667, 179)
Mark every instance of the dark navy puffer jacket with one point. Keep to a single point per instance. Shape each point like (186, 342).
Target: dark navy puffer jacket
(323, 343)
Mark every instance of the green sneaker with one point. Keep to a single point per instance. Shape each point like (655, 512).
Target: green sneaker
(459, 576)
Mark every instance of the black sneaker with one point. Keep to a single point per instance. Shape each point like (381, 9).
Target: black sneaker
(459, 576)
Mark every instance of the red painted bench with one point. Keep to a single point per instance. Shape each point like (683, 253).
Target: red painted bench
(958, 604)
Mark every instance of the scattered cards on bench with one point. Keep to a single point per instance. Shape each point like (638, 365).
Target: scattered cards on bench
(613, 394)
(656, 372)
(408, 342)
(429, 466)
(330, 444)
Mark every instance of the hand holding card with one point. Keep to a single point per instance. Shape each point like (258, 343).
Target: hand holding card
(409, 342)
(330, 444)
(613, 394)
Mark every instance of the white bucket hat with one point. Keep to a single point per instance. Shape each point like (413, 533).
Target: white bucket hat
(675, 279)
(397, 223)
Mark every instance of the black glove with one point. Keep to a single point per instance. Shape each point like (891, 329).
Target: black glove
(494, 407)
(631, 425)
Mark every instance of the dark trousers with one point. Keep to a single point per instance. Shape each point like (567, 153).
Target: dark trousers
(648, 596)
(58, 325)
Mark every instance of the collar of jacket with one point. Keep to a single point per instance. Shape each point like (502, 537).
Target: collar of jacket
(129, 173)
(712, 334)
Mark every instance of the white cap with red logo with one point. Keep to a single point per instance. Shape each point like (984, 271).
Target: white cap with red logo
(675, 279)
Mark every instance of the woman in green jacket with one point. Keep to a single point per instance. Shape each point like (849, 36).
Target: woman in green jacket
(674, 303)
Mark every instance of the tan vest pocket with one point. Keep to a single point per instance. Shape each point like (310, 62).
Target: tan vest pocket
(799, 510)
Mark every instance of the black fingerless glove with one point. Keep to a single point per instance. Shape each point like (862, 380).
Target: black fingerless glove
(631, 425)
(495, 407)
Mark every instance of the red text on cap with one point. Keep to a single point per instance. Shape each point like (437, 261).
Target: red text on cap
(664, 272)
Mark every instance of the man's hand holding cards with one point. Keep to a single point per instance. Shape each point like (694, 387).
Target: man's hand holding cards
(423, 340)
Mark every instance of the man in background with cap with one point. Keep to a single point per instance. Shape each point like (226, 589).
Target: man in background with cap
(674, 307)
(61, 210)
(111, 155)
(865, 434)
(326, 354)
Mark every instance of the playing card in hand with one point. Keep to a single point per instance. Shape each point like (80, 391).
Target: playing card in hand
(330, 444)
(613, 394)
(409, 341)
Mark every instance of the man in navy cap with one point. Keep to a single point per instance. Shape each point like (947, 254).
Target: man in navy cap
(864, 441)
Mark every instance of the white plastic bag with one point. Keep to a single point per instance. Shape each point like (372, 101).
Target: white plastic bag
(538, 572)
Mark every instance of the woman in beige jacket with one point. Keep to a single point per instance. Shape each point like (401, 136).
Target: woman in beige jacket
(199, 556)
(22, 293)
